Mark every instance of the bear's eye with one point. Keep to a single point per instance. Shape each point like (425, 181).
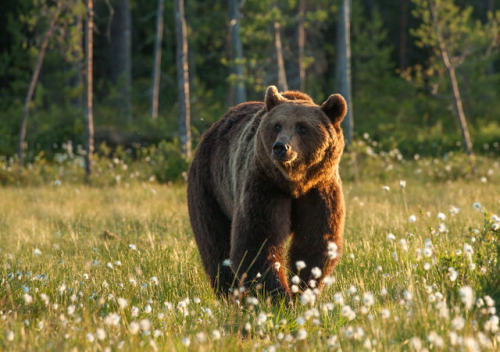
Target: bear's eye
(277, 127)
(301, 129)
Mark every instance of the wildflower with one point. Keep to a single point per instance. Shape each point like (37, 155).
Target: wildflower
(27, 299)
(467, 296)
(294, 288)
(385, 313)
(261, 319)
(9, 335)
(300, 321)
(402, 183)
(277, 266)
(416, 343)
(442, 228)
(427, 252)
(352, 289)
(122, 302)
(368, 299)
(37, 252)
(216, 334)
(454, 210)
(145, 324)
(186, 341)
(328, 280)
(435, 340)
(386, 188)
(301, 334)
(157, 333)
(332, 250)
(100, 334)
(307, 297)
(333, 342)
(112, 319)
(134, 312)
(491, 325)
(407, 295)
(71, 309)
(348, 312)
(427, 266)
(226, 262)
(147, 309)
(252, 301)
(390, 237)
(134, 328)
(404, 244)
(109, 265)
(316, 272)
(412, 218)
(452, 273)
(383, 291)
(458, 323)
(490, 302)
(132, 246)
(300, 264)
(295, 280)
(337, 298)
(90, 337)
(476, 205)
(201, 337)
(441, 216)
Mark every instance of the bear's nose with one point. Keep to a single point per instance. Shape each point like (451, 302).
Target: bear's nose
(280, 149)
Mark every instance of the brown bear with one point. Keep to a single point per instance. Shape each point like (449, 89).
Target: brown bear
(265, 172)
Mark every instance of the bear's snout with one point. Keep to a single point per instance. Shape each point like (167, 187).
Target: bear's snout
(280, 151)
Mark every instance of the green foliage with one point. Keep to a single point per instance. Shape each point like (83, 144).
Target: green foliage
(168, 162)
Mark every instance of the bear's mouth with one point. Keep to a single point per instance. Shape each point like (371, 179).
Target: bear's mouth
(285, 158)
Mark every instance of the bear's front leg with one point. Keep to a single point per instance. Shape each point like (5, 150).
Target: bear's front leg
(260, 227)
(318, 226)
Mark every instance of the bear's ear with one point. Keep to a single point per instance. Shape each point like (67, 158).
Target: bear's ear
(273, 98)
(335, 108)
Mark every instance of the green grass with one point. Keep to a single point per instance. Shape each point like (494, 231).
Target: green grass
(53, 242)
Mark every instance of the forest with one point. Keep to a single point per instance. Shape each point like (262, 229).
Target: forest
(155, 79)
(103, 104)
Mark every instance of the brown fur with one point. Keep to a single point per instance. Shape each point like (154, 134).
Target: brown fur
(245, 200)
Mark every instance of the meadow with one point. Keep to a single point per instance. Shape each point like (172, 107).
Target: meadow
(115, 268)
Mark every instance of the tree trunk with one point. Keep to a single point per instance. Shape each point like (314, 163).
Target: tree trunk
(121, 55)
(240, 93)
(184, 119)
(403, 34)
(462, 121)
(282, 83)
(34, 81)
(343, 69)
(301, 40)
(89, 110)
(157, 60)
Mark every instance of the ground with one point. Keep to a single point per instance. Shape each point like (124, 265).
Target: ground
(118, 266)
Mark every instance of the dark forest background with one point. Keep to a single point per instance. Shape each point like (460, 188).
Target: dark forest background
(401, 91)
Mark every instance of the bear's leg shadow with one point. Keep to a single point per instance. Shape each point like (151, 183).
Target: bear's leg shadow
(260, 227)
(317, 221)
(212, 230)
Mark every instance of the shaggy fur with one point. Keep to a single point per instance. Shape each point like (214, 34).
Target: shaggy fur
(246, 198)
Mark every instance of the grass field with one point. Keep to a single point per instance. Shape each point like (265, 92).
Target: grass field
(116, 268)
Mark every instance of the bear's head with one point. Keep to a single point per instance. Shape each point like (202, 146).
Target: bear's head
(302, 140)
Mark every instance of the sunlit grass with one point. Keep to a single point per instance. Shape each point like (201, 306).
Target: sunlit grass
(118, 267)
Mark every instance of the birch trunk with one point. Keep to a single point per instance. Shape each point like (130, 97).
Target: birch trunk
(282, 83)
(240, 93)
(89, 109)
(34, 80)
(343, 69)
(301, 44)
(157, 60)
(184, 118)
